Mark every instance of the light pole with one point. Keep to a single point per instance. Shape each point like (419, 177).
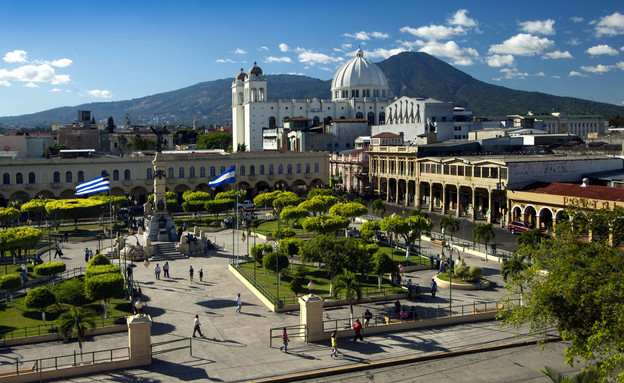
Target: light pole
(264, 253)
(450, 278)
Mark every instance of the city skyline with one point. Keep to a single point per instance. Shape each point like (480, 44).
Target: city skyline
(68, 53)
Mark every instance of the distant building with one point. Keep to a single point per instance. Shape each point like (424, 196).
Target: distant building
(559, 123)
(81, 134)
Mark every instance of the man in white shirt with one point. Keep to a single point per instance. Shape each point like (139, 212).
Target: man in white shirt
(196, 328)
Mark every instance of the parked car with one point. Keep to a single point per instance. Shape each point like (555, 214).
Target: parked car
(518, 227)
(246, 204)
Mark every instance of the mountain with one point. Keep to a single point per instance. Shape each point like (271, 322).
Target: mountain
(409, 74)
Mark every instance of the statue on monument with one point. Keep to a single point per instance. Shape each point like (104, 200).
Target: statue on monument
(159, 136)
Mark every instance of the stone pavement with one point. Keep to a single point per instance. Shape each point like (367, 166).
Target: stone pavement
(236, 345)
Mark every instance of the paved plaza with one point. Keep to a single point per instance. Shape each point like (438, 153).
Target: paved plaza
(236, 345)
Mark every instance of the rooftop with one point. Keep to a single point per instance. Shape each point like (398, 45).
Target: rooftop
(577, 191)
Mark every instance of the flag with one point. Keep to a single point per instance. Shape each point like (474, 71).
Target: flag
(226, 178)
(96, 185)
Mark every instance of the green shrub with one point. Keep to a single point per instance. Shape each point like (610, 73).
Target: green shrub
(283, 233)
(461, 271)
(104, 286)
(295, 286)
(475, 272)
(301, 271)
(256, 251)
(272, 261)
(10, 282)
(102, 269)
(40, 298)
(71, 292)
(372, 248)
(99, 259)
(50, 268)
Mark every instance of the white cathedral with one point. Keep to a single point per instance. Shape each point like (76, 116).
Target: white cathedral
(359, 90)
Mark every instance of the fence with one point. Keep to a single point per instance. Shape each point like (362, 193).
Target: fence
(255, 284)
(170, 342)
(294, 331)
(71, 360)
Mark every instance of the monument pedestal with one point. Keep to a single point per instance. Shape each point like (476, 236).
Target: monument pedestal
(158, 227)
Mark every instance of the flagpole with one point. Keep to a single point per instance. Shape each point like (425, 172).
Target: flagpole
(237, 252)
(110, 224)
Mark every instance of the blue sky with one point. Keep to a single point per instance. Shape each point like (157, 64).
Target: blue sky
(66, 53)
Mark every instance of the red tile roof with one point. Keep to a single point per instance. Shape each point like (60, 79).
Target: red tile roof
(350, 120)
(356, 152)
(386, 135)
(604, 193)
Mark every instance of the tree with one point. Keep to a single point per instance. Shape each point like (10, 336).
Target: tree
(285, 199)
(241, 148)
(40, 298)
(8, 215)
(483, 233)
(369, 229)
(576, 286)
(293, 213)
(420, 223)
(450, 225)
(99, 259)
(347, 282)
(50, 269)
(405, 227)
(325, 224)
(75, 208)
(103, 287)
(588, 376)
(531, 239)
(75, 323)
(378, 208)
(35, 208)
(71, 292)
(348, 209)
(110, 125)
(214, 140)
(256, 252)
(218, 206)
(512, 270)
(318, 191)
(290, 247)
(9, 283)
(382, 264)
(318, 204)
(122, 142)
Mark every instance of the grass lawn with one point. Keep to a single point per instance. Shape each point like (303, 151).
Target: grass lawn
(398, 256)
(318, 276)
(268, 227)
(12, 319)
(445, 277)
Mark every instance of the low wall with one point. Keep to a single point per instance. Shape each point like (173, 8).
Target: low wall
(463, 286)
(55, 336)
(251, 288)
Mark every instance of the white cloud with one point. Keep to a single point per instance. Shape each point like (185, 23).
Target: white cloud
(576, 74)
(17, 56)
(513, 73)
(524, 44)
(450, 49)
(557, 55)
(55, 90)
(544, 27)
(500, 60)
(61, 63)
(363, 36)
(540, 74)
(597, 69)
(556, 76)
(284, 48)
(602, 49)
(31, 85)
(379, 35)
(610, 25)
(264, 48)
(348, 46)
(384, 53)
(576, 19)
(34, 73)
(100, 93)
(227, 61)
(5, 83)
(460, 18)
(574, 41)
(620, 65)
(272, 59)
(60, 79)
(312, 58)
(435, 32)
(239, 51)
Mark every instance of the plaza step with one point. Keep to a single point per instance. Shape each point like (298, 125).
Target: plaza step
(166, 251)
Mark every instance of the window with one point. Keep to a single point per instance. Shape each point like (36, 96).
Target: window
(103, 173)
(56, 178)
(241, 170)
(477, 171)
(19, 179)
(69, 177)
(202, 171)
(298, 168)
(261, 170)
(6, 179)
(382, 118)
(170, 173)
(359, 115)
(371, 118)
(80, 176)
(308, 167)
(271, 122)
(180, 172)
(271, 169)
(31, 178)
(317, 167)
(115, 175)
(494, 172)
(289, 169)
(222, 169)
(252, 170)
(127, 176)
(213, 171)
(192, 172)
(503, 172)
(280, 169)
(149, 173)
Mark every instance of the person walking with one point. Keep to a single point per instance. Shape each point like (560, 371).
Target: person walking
(157, 271)
(434, 287)
(201, 275)
(239, 303)
(334, 344)
(357, 326)
(197, 327)
(284, 341)
(191, 272)
(166, 269)
(367, 317)
(90, 253)
(86, 250)
(57, 251)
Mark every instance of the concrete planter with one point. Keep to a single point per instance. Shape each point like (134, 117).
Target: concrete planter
(463, 286)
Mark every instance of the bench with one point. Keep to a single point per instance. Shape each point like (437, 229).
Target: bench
(20, 371)
(475, 310)
(438, 243)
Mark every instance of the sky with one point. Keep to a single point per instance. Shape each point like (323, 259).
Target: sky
(67, 53)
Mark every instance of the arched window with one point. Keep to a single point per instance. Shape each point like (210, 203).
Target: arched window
(298, 168)
(308, 167)
(359, 115)
(271, 169)
(6, 179)
(241, 170)
(343, 118)
(202, 171)
(115, 175)
(316, 121)
(170, 173)
(180, 172)
(371, 118)
(103, 173)
(192, 172)
(149, 173)
(382, 118)
(80, 176)
(252, 170)
(127, 176)
(261, 170)
(280, 169)
(56, 177)
(289, 169)
(19, 179)
(222, 169)
(31, 178)
(271, 122)
(317, 167)
(69, 177)
(213, 171)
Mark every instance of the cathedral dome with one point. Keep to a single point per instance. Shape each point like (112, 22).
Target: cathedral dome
(359, 78)
(255, 69)
(242, 75)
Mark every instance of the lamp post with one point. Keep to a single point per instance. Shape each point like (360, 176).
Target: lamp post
(450, 278)
(264, 253)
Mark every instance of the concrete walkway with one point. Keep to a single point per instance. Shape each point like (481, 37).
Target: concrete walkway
(236, 345)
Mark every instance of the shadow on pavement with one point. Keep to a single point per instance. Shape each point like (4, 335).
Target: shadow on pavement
(221, 303)
(154, 311)
(126, 377)
(180, 371)
(417, 344)
(159, 328)
(225, 342)
(365, 348)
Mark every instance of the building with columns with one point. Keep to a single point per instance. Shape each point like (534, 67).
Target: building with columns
(359, 90)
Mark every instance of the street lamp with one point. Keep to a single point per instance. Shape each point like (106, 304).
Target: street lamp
(264, 253)
(450, 278)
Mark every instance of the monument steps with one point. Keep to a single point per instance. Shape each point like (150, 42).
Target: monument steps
(166, 251)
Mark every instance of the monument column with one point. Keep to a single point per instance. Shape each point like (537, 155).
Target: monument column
(311, 315)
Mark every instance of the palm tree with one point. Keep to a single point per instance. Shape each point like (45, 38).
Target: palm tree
(530, 239)
(378, 208)
(587, 376)
(347, 282)
(483, 232)
(513, 268)
(74, 324)
(449, 224)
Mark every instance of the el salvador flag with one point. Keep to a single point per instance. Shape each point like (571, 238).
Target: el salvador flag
(226, 178)
(96, 185)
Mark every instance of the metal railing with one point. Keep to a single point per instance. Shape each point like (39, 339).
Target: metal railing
(71, 360)
(293, 331)
(176, 348)
(256, 285)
